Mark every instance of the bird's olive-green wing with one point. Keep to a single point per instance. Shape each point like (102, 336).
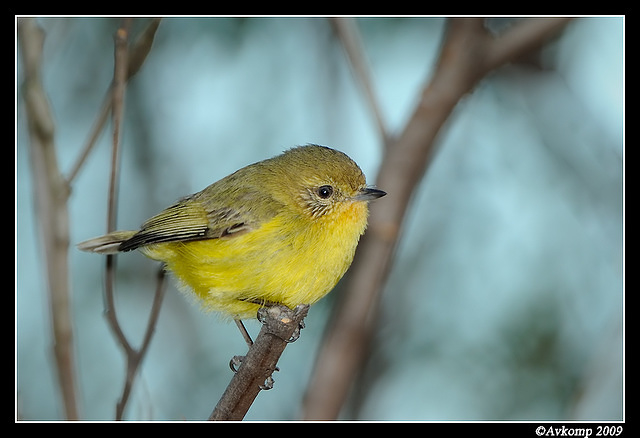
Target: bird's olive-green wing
(209, 214)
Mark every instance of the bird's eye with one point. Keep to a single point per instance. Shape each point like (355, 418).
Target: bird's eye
(325, 191)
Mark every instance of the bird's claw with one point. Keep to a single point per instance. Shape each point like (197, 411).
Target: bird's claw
(235, 363)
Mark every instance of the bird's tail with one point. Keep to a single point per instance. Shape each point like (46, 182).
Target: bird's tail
(107, 244)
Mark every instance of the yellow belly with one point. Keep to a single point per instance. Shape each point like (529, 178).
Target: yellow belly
(279, 262)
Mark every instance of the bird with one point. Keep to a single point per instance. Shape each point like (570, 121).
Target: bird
(282, 231)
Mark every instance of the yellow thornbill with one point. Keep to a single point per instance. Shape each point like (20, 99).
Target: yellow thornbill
(280, 231)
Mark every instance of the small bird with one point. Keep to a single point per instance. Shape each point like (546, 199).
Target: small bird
(279, 231)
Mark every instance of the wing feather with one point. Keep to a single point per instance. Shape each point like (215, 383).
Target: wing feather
(209, 214)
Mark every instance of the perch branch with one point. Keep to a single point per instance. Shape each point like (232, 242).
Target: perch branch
(279, 324)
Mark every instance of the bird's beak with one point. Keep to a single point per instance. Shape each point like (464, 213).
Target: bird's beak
(368, 194)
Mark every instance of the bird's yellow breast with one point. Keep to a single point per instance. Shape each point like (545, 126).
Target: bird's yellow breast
(289, 260)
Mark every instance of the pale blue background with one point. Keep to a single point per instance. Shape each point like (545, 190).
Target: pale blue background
(506, 303)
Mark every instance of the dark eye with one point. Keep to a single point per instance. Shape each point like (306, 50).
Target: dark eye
(325, 191)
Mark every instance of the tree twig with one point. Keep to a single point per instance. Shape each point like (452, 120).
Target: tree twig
(134, 357)
(137, 55)
(279, 324)
(347, 31)
(468, 54)
(51, 194)
(117, 104)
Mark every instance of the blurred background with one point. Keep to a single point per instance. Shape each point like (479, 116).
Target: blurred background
(505, 301)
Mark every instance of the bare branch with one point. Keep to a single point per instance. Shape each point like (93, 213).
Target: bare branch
(469, 52)
(122, 72)
(141, 47)
(135, 357)
(117, 110)
(51, 193)
(347, 31)
(137, 55)
(117, 99)
(279, 325)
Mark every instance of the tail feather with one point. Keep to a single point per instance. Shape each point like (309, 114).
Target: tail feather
(107, 244)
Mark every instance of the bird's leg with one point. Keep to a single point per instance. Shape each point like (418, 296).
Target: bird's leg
(235, 361)
(245, 333)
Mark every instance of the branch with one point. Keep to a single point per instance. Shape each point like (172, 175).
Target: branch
(137, 55)
(347, 31)
(468, 54)
(51, 193)
(122, 72)
(135, 357)
(279, 326)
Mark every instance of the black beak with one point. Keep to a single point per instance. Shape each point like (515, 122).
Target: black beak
(369, 194)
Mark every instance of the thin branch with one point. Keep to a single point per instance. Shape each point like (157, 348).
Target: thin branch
(279, 326)
(347, 31)
(141, 48)
(117, 110)
(135, 357)
(468, 54)
(137, 55)
(155, 311)
(117, 88)
(51, 194)
(122, 72)
(96, 130)
(127, 62)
